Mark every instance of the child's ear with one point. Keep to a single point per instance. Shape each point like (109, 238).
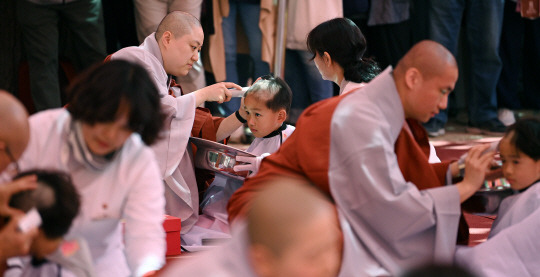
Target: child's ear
(282, 115)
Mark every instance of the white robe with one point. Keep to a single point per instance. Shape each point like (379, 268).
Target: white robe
(174, 158)
(129, 189)
(391, 221)
(228, 260)
(213, 223)
(512, 248)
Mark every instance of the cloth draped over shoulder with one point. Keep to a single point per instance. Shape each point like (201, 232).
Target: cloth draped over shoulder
(183, 119)
(354, 161)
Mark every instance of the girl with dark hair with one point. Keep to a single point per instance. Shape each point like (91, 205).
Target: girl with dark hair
(338, 48)
(113, 110)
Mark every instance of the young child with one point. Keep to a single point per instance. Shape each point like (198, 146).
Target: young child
(513, 248)
(267, 104)
(520, 155)
(297, 237)
(57, 203)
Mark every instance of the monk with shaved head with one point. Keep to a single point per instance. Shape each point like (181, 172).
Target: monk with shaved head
(399, 211)
(292, 229)
(168, 52)
(14, 136)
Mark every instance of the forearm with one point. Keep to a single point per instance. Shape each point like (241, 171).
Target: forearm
(227, 127)
(200, 97)
(465, 190)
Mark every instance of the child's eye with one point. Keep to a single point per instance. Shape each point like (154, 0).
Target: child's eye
(247, 112)
(515, 162)
(258, 115)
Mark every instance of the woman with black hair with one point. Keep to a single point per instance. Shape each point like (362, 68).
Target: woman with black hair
(338, 48)
(101, 140)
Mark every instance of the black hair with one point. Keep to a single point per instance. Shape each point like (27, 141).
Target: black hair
(97, 95)
(279, 93)
(525, 136)
(346, 45)
(55, 199)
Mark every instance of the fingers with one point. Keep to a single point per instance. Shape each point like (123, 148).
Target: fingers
(231, 85)
(244, 167)
(7, 190)
(23, 183)
(245, 159)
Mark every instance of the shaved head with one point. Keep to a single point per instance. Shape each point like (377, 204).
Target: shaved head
(424, 78)
(178, 23)
(14, 128)
(429, 57)
(279, 212)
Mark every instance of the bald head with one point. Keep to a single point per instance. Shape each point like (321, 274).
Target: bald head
(279, 212)
(178, 23)
(14, 129)
(428, 57)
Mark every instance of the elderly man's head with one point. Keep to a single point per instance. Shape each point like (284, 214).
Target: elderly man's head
(180, 38)
(14, 129)
(424, 78)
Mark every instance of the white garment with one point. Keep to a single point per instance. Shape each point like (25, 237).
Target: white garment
(514, 251)
(72, 258)
(128, 189)
(172, 152)
(22, 267)
(513, 209)
(228, 260)
(393, 223)
(213, 223)
(512, 248)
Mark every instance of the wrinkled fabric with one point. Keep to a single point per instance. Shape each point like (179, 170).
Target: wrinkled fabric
(398, 225)
(128, 190)
(174, 158)
(512, 248)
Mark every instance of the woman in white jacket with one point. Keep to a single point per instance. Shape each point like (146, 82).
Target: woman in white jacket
(100, 140)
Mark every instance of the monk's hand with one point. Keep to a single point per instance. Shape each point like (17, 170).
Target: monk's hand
(218, 92)
(477, 164)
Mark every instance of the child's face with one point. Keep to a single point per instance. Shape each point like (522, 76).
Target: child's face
(316, 251)
(519, 169)
(262, 120)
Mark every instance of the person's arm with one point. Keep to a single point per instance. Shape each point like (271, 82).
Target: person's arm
(476, 166)
(143, 213)
(215, 93)
(231, 123)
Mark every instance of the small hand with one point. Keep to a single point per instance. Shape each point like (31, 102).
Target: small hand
(251, 163)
